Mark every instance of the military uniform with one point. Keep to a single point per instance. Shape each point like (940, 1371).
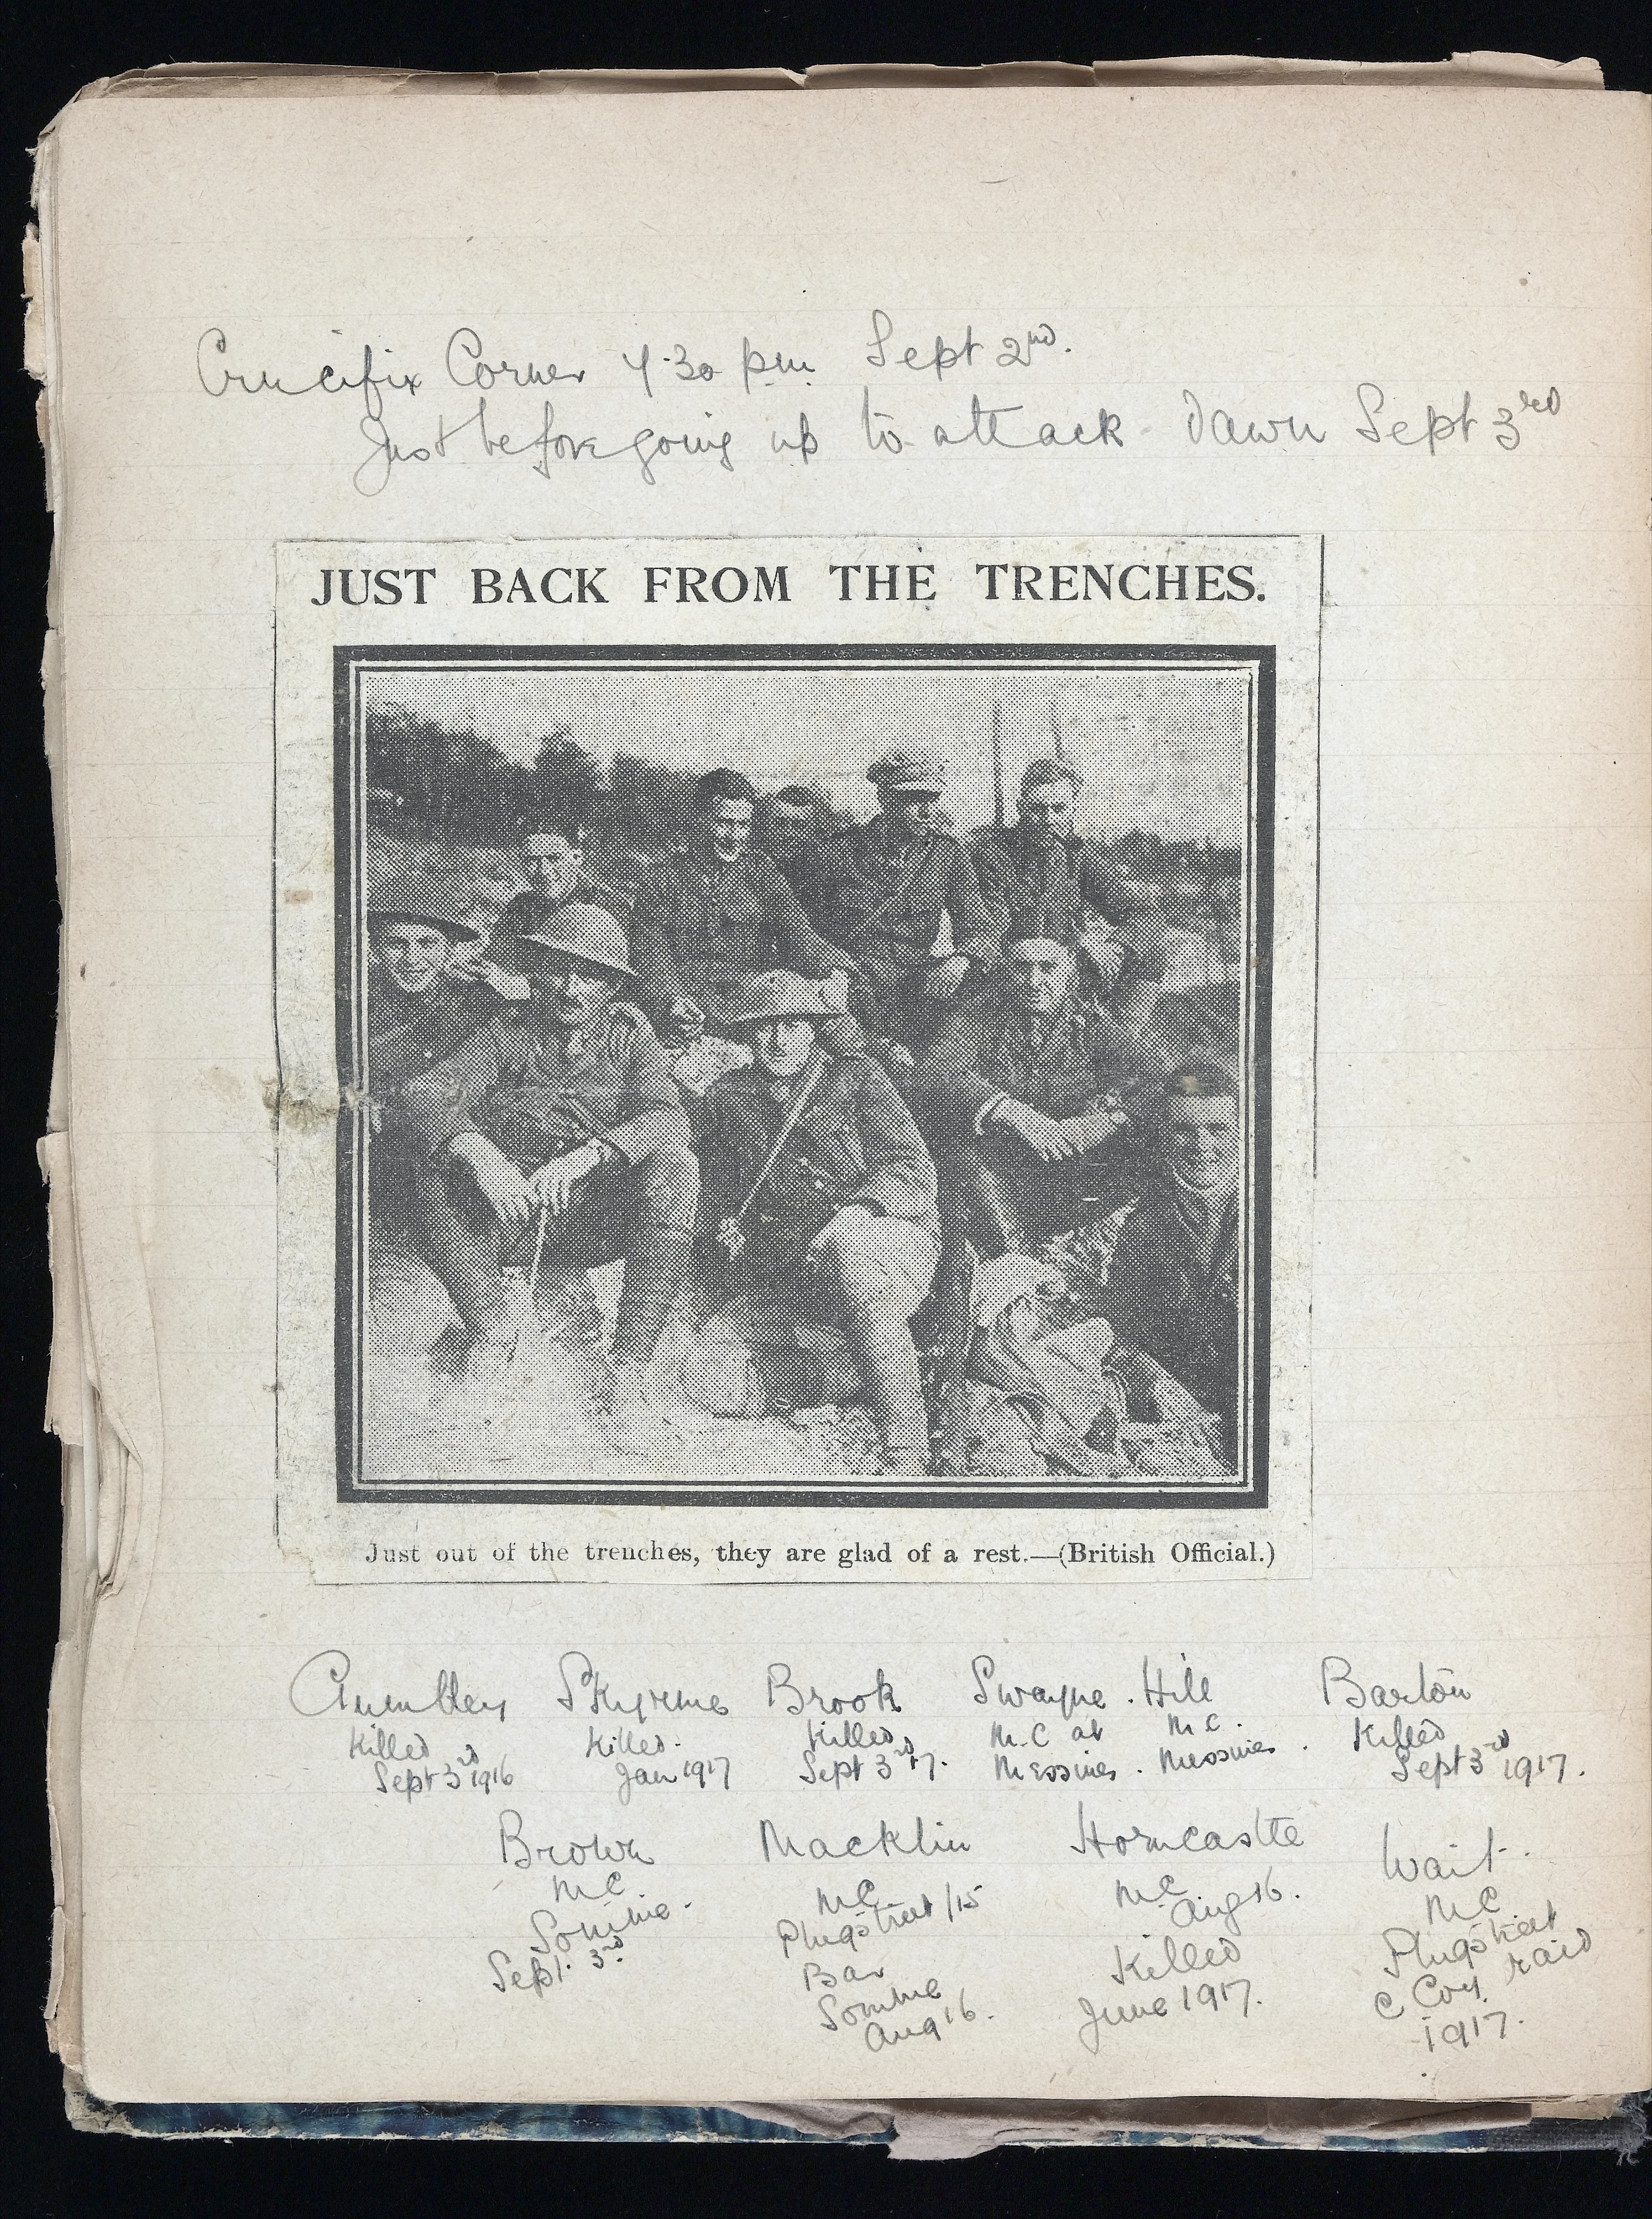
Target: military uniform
(408, 1033)
(842, 1229)
(1045, 886)
(537, 1094)
(854, 1142)
(530, 911)
(1080, 1065)
(702, 931)
(1059, 889)
(1172, 1288)
(881, 898)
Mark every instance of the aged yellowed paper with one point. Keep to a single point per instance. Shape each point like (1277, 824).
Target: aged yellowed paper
(852, 1103)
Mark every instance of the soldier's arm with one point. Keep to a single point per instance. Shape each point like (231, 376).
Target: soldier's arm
(900, 1180)
(801, 949)
(441, 1103)
(976, 932)
(654, 1118)
(1093, 1129)
(992, 876)
(1097, 888)
(660, 982)
(949, 1085)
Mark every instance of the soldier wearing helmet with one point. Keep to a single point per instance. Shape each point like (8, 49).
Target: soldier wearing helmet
(560, 1115)
(418, 1010)
(422, 1003)
(819, 1200)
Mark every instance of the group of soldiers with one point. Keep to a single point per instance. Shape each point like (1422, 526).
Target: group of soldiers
(805, 1080)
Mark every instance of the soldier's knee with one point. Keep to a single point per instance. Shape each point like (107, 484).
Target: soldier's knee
(670, 1182)
(879, 1262)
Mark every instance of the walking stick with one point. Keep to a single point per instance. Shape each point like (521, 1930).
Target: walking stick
(538, 1247)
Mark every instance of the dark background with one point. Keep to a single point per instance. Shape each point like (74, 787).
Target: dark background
(47, 52)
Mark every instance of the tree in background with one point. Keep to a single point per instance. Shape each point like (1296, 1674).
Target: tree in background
(568, 785)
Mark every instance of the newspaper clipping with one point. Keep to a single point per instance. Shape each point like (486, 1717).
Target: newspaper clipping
(822, 1043)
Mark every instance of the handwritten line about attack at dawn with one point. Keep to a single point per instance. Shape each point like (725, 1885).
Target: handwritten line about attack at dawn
(485, 406)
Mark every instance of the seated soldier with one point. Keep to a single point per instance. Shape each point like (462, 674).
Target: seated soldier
(420, 1008)
(1172, 1284)
(557, 1134)
(715, 913)
(1041, 871)
(553, 863)
(819, 1199)
(1026, 1097)
(790, 833)
(890, 892)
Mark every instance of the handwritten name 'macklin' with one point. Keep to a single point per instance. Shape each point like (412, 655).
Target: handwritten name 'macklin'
(753, 584)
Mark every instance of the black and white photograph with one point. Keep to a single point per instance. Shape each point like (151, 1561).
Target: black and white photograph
(807, 1076)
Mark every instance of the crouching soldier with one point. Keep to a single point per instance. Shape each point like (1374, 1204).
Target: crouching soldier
(819, 1199)
(1028, 1095)
(1172, 1285)
(557, 1135)
(420, 1008)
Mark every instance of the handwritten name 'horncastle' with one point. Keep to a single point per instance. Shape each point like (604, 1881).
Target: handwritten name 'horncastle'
(689, 585)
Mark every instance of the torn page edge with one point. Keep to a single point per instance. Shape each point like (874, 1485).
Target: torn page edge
(63, 2001)
(98, 1474)
(1479, 70)
(1616, 2124)
(77, 1407)
(930, 2130)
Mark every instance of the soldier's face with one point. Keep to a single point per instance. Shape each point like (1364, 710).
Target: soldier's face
(1201, 1139)
(1048, 809)
(781, 1046)
(1040, 975)
(570, 993)
(413, 955)
(728, 830)
(552, 866)
(911, 812)
(788, 831)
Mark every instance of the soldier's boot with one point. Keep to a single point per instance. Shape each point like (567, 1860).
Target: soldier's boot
(656, 1254)
(656, 1268)
(881, 1345)
(989, 1210)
